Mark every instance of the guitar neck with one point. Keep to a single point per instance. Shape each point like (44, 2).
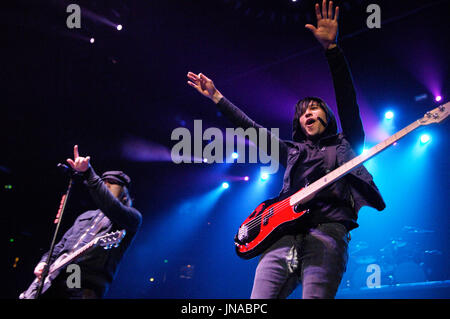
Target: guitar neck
(308, 192)
(72, 256)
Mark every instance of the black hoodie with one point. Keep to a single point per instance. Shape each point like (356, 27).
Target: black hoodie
(301, 156)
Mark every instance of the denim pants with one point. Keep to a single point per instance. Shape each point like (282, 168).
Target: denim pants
(316, 259)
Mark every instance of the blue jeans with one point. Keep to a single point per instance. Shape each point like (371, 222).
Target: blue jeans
(316, 258)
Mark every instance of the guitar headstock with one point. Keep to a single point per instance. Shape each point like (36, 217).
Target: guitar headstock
(437, 115)
(111, 240)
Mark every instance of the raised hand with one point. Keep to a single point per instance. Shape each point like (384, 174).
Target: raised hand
(80, 164)
(204, 85)
(327, 25)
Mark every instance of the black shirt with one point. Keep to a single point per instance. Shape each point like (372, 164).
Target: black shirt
(333, 203)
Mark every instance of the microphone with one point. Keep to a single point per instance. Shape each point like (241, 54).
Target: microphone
(322, 121)
(66, 170)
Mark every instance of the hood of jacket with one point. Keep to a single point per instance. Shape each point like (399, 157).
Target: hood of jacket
(331, 128)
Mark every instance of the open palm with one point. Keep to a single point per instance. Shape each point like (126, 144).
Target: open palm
(327, 24)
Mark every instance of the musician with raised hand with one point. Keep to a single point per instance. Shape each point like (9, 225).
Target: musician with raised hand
(115, 213)
(313, 254)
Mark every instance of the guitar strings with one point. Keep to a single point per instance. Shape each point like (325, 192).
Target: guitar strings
(276, 209)
(281, 205)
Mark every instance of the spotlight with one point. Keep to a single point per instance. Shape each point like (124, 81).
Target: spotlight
(389, 115)
(205, 160)
(264, 176)
(119, 27)
(225, 185)
(234, 155)
(438, 98)
(92, 40)
(246, 178)
(425, 138)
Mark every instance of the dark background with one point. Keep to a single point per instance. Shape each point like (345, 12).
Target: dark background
(120, 98)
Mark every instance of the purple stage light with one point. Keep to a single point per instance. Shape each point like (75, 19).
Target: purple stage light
(92, 40)
(119, 27)
(438, 98)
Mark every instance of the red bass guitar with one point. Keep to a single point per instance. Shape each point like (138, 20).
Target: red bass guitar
(268, 221)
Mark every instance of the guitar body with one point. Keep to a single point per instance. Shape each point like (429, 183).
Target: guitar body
(30, 293)
(265, 225)
(107, 241)
(271, 218)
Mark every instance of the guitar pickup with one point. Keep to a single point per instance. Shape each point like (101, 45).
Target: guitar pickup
(267, 216)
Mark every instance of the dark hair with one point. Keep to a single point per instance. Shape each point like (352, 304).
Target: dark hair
(302, 105)
(300, 109)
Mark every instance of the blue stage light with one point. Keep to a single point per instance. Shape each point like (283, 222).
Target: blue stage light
(225, 185)
(389, 115)
(425, 138)
(246, 178)
(264, 176)
(234, 155)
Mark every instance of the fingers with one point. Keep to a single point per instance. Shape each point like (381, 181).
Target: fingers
(71, 163)
(79, 161)
(326, 12)
(75, 152)
(336, 14)
(330, 10)
(203, 77)
(193, 77)
(311, 28)
(318, 14)
(194, 80)
(195, 86)
(324, 9)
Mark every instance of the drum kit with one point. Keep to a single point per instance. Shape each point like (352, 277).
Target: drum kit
(399, 261)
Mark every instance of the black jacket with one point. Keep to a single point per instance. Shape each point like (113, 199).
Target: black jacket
(339, 147)
(99, 266)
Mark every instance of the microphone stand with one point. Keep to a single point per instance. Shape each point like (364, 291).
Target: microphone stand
(57, 221)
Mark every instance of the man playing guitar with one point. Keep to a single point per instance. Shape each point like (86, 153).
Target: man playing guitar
(97, 266)
(315, 253)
